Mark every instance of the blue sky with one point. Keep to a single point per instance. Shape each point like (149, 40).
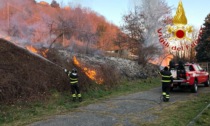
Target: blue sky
(112, 10)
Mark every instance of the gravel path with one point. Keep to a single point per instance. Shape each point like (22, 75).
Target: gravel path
(127, 110)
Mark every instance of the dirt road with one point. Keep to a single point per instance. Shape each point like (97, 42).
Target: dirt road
(127, 110)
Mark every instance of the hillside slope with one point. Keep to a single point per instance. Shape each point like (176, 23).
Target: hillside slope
(25, 75)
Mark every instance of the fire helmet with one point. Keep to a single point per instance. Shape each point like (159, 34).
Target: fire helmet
(166, 68)
(74, 70)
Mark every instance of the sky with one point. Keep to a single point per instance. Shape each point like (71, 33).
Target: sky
(113, 10)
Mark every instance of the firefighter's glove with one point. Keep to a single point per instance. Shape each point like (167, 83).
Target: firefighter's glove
(65, 70)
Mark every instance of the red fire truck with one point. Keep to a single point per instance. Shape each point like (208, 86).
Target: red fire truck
(190, 76)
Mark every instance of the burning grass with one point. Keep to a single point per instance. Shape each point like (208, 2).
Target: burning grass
(43, 52)
(91, 73)
(32, 49)
(98, 74)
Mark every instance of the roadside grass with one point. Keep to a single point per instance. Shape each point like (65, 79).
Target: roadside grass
(204, 119)
(24, 113)
(181, 113)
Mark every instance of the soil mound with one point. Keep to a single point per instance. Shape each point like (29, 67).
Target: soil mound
(26, 75)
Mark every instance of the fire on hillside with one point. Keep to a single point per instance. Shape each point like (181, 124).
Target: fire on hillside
(37, 51)
(92, 74)
(32, 49)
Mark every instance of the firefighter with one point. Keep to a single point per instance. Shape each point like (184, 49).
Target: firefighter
(171, 65)
(73, 76)
(181, 70)
(167, 80)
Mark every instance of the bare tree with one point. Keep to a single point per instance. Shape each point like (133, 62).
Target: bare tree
(133, 27)
(147, 54)
(55, 4)
(121, 42)
(141, 26)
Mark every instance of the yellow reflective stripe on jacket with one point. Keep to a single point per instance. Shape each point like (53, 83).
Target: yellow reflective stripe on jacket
(73, 82)
(73, 78)
(166, 80)
(166, 76)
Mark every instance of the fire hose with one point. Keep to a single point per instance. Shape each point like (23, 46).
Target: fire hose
(50, 62)
(56, 64)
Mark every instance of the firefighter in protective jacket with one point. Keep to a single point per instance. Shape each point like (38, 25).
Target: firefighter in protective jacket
(167, 80)
(73, 76)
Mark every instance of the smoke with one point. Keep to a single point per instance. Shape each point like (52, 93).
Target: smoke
(3, 3)
(154, 11)
(22, 23)
(30, 23)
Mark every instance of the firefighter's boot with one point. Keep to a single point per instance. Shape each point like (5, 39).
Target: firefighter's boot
(74, 97)
(80, 97)
(164, 96)
(167, 98)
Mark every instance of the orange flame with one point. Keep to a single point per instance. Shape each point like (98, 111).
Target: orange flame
(8, 38)
(90, 73)
(44, 53)
(32, 49)
(162, 61)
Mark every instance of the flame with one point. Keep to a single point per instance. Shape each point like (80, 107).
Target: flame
(32, 49)
(8, 38)
(180, 17)
(44, 53)
(35, 50)
(162, 60)
(76, 62)
(90, 73)
(166, 60)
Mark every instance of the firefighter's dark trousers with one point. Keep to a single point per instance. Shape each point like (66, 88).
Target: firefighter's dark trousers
(165, 91)
(75, 90)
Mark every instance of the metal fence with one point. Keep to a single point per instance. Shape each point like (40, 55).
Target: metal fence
(205, 66)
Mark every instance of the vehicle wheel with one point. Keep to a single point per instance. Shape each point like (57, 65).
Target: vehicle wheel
(207, 83)
(194, 87)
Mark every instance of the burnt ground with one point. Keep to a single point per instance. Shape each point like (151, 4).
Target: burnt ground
(128, 110)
